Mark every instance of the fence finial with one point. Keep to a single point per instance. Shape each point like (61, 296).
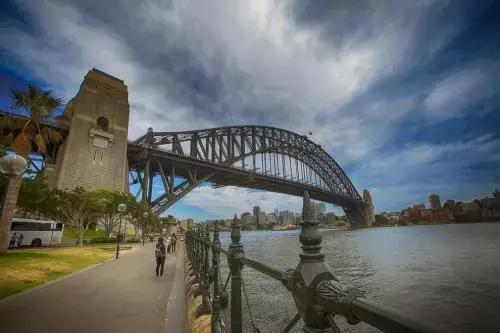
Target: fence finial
(310, 238)
(307, 212)
(235, 230)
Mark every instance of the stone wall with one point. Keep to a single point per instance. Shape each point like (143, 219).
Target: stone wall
(195, 323)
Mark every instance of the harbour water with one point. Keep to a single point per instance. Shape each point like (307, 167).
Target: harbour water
(448, 275)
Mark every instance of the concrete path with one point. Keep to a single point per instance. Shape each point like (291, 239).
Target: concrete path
(122, 295)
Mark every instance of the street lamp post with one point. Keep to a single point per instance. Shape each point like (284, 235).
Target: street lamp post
(124, 239)
(121, 209)
(145, 216)
(13, 166)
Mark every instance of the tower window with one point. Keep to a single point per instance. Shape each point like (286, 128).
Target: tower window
(102, 124)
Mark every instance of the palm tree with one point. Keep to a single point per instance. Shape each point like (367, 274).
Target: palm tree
(39, 105)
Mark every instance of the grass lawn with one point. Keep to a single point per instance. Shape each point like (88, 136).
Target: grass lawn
(26, 268)
(69, 235)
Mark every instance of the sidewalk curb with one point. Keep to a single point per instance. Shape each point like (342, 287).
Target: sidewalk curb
(64, 277)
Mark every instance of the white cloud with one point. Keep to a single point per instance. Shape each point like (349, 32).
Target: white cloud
(279, 60)
(400, 178)
(226, 201)
(461, 90)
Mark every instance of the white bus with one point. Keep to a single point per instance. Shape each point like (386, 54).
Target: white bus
(36, 233)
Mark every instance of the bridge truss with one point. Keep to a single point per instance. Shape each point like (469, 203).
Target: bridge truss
(256, 157)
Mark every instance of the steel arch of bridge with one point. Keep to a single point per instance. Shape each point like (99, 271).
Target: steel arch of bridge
(258, 157)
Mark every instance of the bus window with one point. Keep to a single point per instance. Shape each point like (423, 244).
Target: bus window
(59, 226)
(29, 226)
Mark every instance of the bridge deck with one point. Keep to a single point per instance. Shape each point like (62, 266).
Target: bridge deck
(228, 175)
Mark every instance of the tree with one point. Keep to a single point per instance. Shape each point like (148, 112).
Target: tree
(34, 198)
(163, 223)
(108, 202)
(39, 105)
(141, 223)
(77, 209)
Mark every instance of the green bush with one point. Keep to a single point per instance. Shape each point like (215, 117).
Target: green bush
(97, 240)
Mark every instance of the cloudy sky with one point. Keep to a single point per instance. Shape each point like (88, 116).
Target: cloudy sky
(403, 94)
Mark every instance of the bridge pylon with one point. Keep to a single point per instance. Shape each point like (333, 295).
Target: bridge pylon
(94, 153)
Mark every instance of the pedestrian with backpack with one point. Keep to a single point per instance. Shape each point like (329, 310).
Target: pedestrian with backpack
(161, 256)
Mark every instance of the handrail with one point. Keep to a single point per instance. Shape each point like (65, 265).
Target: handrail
(222, 250)
(318, 294)
(263, 268)
(386, 319)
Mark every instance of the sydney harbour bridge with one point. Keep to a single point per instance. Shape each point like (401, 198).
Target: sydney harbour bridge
(255, 157)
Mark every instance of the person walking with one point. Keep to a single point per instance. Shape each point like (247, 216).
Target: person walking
(169, 244)
(174, 241)
(161, 255)
(20, 240)
(12, 242)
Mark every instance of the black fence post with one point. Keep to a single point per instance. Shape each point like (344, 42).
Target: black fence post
(201, 250)
(192, 246)
(205, 307)
(188, 245)
(235, 254)
(312, 270)
(216, 322)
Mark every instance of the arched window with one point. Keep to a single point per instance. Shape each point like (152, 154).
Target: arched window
(102, 124)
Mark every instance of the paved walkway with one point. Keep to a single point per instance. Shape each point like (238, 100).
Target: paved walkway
(122, 296)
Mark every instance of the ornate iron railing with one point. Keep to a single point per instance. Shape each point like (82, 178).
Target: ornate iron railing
(319, 296)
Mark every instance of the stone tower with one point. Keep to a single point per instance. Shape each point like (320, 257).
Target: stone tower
(94, 154)
(369, 209)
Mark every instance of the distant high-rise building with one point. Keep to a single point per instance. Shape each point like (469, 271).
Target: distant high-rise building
(246, 218)
(319, 209)
(286, 217)
(261, 219)
(298, 218)
(434, 202)
(256, 211)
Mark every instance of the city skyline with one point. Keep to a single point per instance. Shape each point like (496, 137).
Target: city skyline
(258, 216)
(409, 113)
